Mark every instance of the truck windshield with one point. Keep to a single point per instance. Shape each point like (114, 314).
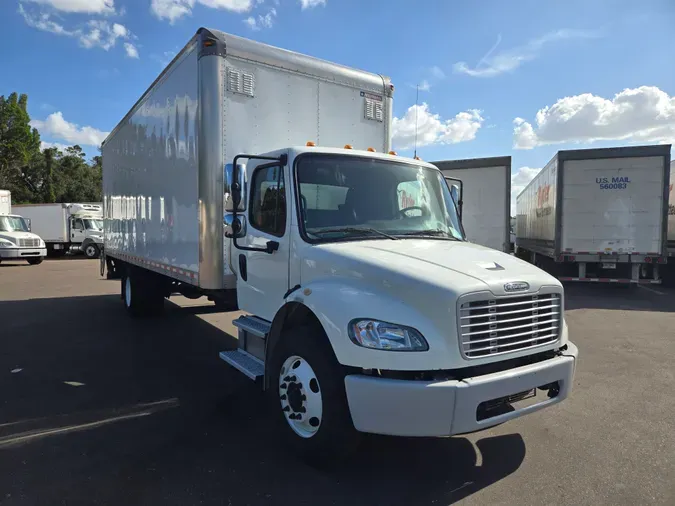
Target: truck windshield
(12, 224)
(90, 224)
(349, 197)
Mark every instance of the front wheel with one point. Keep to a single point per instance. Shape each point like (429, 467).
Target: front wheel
(308, 393)
(91, 251)
(34, 261)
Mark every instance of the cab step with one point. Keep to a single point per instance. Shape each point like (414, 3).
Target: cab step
(253, 325)
(244, 362)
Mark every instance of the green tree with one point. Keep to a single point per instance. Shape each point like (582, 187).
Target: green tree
(19, 143)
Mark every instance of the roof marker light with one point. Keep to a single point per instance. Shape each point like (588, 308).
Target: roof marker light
(311, 144)
(348, 146)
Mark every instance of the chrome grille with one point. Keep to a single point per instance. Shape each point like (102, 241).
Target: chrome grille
(29, 243)
(501, 325)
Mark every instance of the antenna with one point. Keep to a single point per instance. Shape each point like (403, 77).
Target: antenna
(417, 99)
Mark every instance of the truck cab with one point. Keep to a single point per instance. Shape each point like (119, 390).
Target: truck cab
(16, 240)
(18, 243)
(86, 228)
(365, 252)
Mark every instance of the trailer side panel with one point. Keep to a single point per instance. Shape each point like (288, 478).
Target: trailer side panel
(536, 211)
(150, 176)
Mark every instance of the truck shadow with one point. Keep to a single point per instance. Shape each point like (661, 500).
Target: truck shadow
(619, 297)
(213, 444)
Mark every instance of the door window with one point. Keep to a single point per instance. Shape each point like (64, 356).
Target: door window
(268, 201)
(78, 225)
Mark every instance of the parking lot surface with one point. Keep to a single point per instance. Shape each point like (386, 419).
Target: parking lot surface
(97, 408)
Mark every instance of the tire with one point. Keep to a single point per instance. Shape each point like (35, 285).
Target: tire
(292, 389)
(34, 261)
(141, 294)
(92, 251)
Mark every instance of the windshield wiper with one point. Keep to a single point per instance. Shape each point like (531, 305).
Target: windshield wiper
(353, 230)
(431, 233)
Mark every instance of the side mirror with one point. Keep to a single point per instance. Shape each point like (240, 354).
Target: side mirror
(235, 190)
(234, 226)
(454, 191)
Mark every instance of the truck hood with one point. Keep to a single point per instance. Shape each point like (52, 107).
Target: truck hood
(454, 266)
(14, 236)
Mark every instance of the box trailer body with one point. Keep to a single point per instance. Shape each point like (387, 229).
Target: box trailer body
(598, 214)
(5, 202)
(245, 96)
(486, 198)
(67, 227)
(17, 242)
(262, 179)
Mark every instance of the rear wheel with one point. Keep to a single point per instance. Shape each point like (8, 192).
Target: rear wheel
(141, 294)
(34, 261)
(91, 251)
(307, 391)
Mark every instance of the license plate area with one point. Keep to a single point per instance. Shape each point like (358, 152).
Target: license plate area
(501, 405)
(608, 265)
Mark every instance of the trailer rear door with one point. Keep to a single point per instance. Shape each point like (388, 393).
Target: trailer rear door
(486, 212)
(613, 205)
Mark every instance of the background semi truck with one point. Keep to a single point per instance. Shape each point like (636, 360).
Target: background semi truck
(262, 179)
(16, 240)
(598, 215)
(486, 198)
(67, 227)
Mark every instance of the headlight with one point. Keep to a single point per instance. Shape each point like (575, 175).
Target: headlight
(6, 244)
(386, 336)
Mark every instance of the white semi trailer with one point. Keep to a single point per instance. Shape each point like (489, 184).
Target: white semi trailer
(485, 203)
(363, 315)
(67, 227)
(17, 242)
(598, 215)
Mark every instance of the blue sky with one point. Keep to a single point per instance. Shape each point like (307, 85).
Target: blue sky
(521, 77)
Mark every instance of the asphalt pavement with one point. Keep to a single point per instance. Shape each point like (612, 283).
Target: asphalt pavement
(97, 408)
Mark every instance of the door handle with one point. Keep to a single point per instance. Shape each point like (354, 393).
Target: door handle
(242, 267)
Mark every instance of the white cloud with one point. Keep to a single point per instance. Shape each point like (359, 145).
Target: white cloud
(519, 181)
(46, 145)
(81, 6)
(172, 10)
(96, 33)
(431, 129)
(57, 127)
(424, 85)
(644, 114)
(308, 4)
(132, 51)
(496, 62)
(437, 73)
(44, 22)
(261, 22)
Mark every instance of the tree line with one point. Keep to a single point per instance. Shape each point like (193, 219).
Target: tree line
(36, 175)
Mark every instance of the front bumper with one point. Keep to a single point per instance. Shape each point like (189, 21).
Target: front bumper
(22, 253)
(444, 408)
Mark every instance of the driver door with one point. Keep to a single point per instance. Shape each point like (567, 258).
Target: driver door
(262, 277)
(76, 230)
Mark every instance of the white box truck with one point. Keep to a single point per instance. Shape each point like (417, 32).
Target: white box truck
(365, 313)
(485, 204)
(16, 240)
(67, 227)
(598, 215)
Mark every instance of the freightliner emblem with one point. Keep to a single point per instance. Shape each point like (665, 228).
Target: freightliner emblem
(516, 286)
